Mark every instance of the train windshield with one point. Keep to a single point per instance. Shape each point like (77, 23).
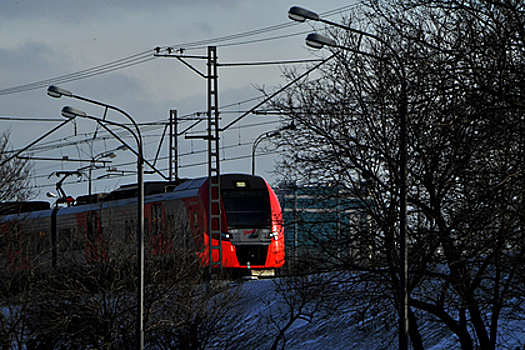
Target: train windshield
(246, 208)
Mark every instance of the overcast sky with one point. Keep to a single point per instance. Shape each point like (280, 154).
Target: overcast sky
(41, 41)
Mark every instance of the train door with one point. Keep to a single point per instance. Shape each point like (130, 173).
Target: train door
(95, 248)
(38, 237)
(179, 229)
(71, 243)
(14, 247)
(155, 220)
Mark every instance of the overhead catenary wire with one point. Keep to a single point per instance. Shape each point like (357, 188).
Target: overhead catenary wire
(112, 66)
(87, 137)
(182, 166)
(31, 119)
(188, 165)
(147, 55)
(145, 126)
(221, 39)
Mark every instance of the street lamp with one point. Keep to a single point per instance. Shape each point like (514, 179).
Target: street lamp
(317, 41)
(99, 158)
(70, 112)
(258, 140)
(92, 165)
(267, 135)
(300, 14)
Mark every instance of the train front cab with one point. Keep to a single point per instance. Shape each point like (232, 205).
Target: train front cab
(253, 237)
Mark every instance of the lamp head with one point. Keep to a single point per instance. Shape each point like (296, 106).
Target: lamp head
(289, 127)
(57, 92)
(275, 133)
(300, 14)
(317, 41)
(70, 113)
(110, 155)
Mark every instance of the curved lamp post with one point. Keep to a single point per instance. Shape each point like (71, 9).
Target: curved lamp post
(70, 112)
(57, 92)
(93, 165)
(99, 158)
(317, 41)
(258, 140)
(267, 135)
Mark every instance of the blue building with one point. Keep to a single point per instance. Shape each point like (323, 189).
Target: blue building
(324, 225)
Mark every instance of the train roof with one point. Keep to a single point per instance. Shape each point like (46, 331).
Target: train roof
(130, 191)
(8, 208)
(228, 181)
(180, 187)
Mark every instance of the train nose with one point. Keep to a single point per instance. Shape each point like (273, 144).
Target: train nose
(251, 236)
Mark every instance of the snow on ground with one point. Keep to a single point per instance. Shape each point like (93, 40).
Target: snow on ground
(335, 331)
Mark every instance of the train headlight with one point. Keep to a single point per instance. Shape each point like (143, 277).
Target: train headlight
(273, 233)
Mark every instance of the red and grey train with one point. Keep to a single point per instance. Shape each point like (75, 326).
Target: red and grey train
(33, 235)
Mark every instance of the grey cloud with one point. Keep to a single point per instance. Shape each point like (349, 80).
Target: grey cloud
(26, 63)
(76, 10)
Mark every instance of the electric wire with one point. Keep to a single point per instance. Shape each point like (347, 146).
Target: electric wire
(203, 43)
(112, 66)
(133, 172)
(147, 55)
(31, 119)
(153, 137)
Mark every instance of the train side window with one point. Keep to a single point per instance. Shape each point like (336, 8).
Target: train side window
(64, 239)
(14, 239)
(170, 226)
(92, 227)
(77, 240)
(195, 218)
(130, 231)
(156, 219)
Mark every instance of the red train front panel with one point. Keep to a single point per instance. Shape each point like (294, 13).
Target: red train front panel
(251, 224)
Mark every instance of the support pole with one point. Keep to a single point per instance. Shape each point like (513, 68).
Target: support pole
(214, 187)
(174, 146)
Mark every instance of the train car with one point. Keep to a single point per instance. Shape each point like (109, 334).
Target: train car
(102, 228)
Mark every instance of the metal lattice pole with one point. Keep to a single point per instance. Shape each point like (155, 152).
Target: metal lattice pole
(214, 193)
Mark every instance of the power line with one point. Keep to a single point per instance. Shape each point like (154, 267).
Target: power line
(31, 119)
(182, 166)
(83, 74)
(86, 138)
(253, 41)
(216, 41)
(267, 63)
(65, 142)
(147, 55)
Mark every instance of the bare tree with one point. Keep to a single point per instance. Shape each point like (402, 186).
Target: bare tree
(16, 302)
(192, 316)
(16, 293)
(456, 68)
(298, 298)
(15, 183)
(89, 306)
